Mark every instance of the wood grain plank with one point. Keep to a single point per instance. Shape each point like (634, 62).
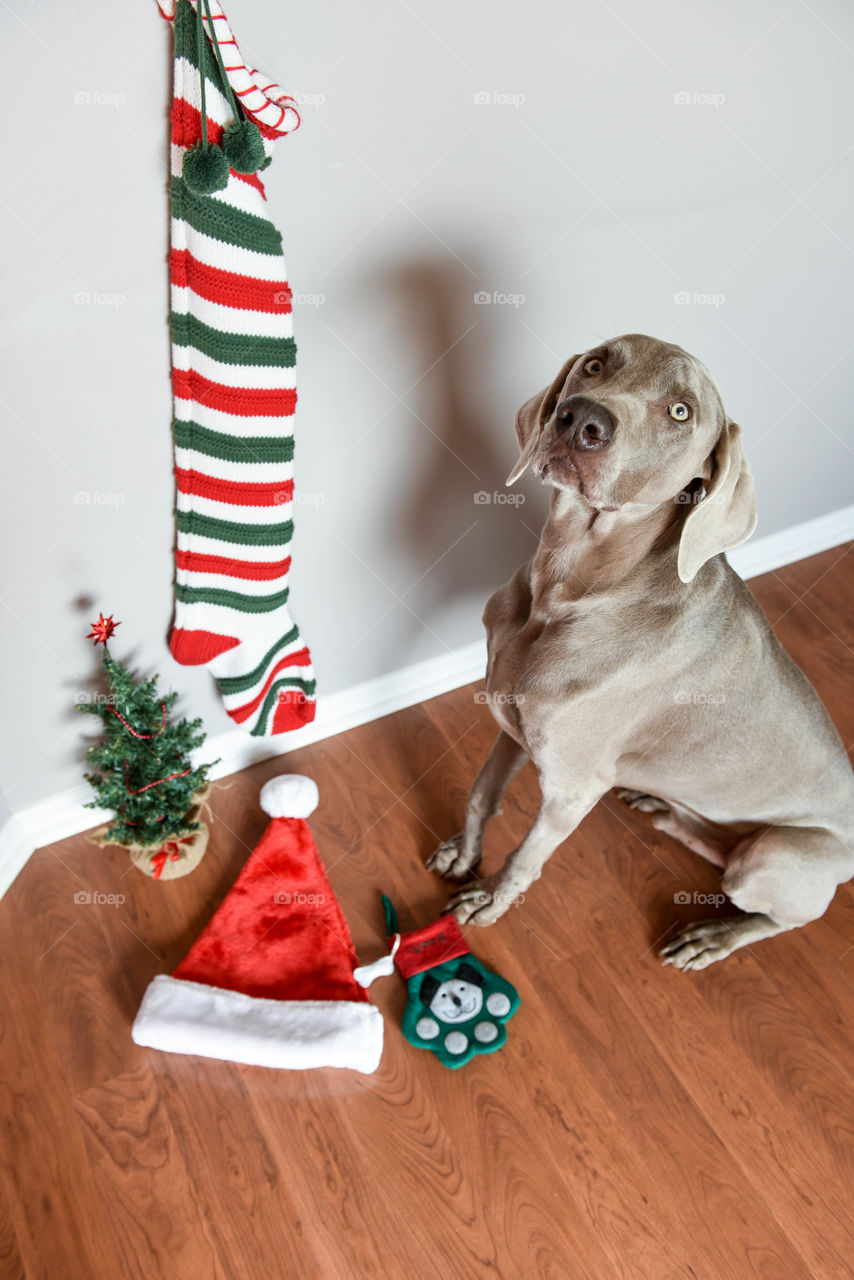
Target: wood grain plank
(761, 1130)
(51, 1194)
(145, 1190)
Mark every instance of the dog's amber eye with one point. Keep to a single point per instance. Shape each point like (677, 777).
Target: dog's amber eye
(594, 366)
(679, 412)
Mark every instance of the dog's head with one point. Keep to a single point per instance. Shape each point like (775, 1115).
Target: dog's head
(639, 421)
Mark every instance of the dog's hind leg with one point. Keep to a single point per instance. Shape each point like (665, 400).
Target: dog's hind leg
(783, 877)
(689, 829)
(457, 858)
(694, 835)
(704, 942)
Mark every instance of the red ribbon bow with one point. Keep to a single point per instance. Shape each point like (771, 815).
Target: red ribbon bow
(170, 852)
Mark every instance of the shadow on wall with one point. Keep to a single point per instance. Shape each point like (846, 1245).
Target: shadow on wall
(453, 519)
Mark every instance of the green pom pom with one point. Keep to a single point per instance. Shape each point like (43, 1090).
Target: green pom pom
(244, 146)
(205, 171)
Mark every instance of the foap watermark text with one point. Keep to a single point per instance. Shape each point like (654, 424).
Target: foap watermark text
(483, 298)
(483, 498)
(684, 899)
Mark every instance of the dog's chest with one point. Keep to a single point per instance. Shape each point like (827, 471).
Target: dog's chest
(522, 648)
(540, 657)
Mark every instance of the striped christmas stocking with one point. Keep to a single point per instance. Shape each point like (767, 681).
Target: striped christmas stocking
(234, 385)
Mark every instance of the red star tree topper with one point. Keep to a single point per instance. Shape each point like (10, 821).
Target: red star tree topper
(103, 629)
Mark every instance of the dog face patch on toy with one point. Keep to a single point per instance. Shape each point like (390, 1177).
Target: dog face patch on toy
(456, 1000)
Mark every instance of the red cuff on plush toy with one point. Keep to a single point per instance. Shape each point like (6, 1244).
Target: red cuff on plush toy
(421, 949)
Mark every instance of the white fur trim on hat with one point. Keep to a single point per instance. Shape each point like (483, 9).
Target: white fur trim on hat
(178, 1016)
(291, 795)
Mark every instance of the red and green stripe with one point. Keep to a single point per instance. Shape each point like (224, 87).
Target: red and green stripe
(218, 620)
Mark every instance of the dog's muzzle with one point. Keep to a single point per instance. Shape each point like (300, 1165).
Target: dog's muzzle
(582, 423)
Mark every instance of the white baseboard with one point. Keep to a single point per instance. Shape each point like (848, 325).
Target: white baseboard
(761, 555)
(16, 846)
(63, 815)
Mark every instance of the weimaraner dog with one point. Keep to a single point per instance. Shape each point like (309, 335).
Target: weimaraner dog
(629, 654)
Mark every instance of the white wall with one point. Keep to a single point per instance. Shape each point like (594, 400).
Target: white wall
(598, 197)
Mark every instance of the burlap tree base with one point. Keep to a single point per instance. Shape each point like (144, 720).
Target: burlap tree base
(176, 854)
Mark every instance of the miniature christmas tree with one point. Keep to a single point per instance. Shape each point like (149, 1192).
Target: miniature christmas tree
(142, 770)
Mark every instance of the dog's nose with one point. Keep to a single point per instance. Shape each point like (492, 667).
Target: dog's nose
(584, 423)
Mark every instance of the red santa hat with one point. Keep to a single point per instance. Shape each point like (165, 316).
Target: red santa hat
(270, 981)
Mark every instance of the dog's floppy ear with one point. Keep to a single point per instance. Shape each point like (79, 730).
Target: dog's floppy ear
(467, 973)
(429, 987)
(531, 418)
(726, 516)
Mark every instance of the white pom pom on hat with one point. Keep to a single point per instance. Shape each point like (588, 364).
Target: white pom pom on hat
(291, 795)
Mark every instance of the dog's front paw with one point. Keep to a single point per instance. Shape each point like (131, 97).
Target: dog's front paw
(482, 902)
(698, 945)
(449, 860)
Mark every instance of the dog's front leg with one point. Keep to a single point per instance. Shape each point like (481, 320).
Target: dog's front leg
(458, 857)
(487, 899)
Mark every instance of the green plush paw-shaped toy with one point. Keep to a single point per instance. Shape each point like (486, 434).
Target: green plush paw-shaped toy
(456, 1006)
(458, 1009)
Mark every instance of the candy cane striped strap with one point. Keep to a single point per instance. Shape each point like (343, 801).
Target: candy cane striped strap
(262, 99)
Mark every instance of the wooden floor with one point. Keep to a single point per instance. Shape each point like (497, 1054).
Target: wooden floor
(639, 1123)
